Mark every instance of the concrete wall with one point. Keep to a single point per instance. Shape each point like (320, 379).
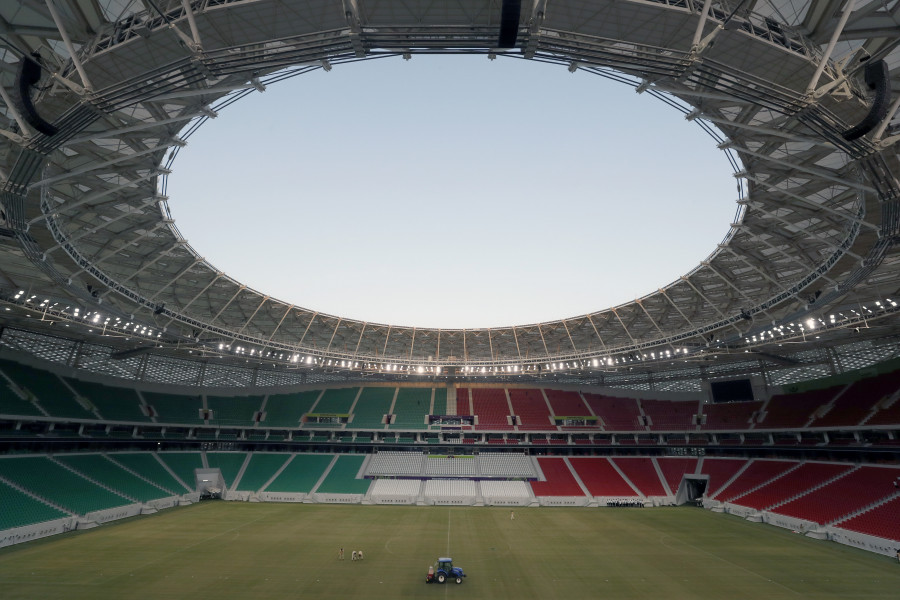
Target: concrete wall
(27, 533)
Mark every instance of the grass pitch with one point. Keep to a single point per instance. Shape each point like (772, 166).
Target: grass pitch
(234, 550)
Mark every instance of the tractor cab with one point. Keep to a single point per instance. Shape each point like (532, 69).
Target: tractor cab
(444, 564)
(443, 570)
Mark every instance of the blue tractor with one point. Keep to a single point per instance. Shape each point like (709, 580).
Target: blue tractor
(443, 570)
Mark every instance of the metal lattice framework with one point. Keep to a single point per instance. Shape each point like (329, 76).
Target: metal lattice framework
(87, 237)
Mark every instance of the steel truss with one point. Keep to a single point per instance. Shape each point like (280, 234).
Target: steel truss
(89, 225)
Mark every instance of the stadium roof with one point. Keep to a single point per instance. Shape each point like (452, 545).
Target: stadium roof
(99, 95)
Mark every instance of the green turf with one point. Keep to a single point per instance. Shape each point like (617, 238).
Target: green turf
(239, 550)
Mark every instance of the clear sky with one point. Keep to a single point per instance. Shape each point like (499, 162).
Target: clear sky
(452, 192)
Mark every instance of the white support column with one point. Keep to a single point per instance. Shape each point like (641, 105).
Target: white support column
(69, 46)
(23, 126)
(698, 33)
(811, 88)
(195, 33)
(887, 119)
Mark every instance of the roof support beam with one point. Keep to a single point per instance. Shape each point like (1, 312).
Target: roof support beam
(362, 330)
(823, 173)
(677, 308)
(68, 206)
(597, 333)
(823, 62)
(184, 308)
(807, 232)
(178, 276)
(247, 322)
(149, 263)
(73, 54)
(11, 107)
(115, 133)
(102, 225)
(92, 166)
(240, 289)
(192, 23)
(841, 215)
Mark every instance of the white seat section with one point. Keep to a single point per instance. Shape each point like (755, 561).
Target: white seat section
(449, 465)
(450, 487)
(504, 489)
(506, 464)
(396, 463)
(396, 487)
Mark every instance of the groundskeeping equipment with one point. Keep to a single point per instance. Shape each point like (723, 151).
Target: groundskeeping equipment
(443, 570)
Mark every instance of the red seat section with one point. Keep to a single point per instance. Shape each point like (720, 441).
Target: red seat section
(863, 487)
(758, 473)
(491, 407)
(730, 415)
(673, 469)
(560, 481)
(795, 410)
(882, 521)
(567, 404)
(886, 416)
(532, 410)
(642, 473)
(601, 478)
(805, 477)
(720, 471)
(463, 406)
(855, 404)
(670, 416)
(618, 414)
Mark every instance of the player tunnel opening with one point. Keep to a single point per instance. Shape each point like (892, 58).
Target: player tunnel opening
(691, 490)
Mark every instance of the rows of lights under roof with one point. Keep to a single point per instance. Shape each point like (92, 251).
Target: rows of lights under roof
(837, 320)
(108, 324)
(840, 319)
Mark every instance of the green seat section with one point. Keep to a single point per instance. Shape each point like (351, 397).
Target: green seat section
(147, 465)
(373, 404)
(342, 477)
(235, 411)
(43, 477)
(11, 404)
(114, 403)
(228, 462)
(21, 509)
(51, 393)
(301, 474)
(286, 410)
(440, 401)
(183, 465)
(336, 401)
(411, 408)
(102, 470)
(172, 408)
(260, 469)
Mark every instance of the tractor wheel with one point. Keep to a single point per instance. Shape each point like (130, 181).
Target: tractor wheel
(441, 578)
(459, 580)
